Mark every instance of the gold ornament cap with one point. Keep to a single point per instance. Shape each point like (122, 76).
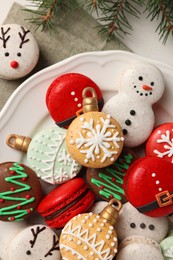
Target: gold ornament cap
(18, 142)
(89, 103)
(111, 211)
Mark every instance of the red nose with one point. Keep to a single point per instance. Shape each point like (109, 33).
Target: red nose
(146, 87)
(14, 64)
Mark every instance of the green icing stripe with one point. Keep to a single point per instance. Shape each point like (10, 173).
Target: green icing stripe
(110, 187)
(18, 213)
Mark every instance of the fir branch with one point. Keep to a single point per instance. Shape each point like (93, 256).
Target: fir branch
(46, 11)
(114, 16)
(163, 10)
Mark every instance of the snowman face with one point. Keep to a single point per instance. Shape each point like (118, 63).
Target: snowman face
(143, 81)
(19, 51)
(131, 222)
(38, 242)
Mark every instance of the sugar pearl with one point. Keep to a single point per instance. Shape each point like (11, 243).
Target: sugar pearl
(79, 242)
(85, 248)
(107, 237)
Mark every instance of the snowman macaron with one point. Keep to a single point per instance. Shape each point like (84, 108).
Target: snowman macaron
(19, 51)
(142, 85)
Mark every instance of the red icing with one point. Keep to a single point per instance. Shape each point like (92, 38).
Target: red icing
(102, 187)
(14, 64)
(23, 179)
(12, 172)
(113, 179)
(145, 178)
(1, 200)
(68, 87)
(12, 219)
(19, 207)
(28, 197)
(12, 188)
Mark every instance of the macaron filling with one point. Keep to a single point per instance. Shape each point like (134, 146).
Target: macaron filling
(57, 213)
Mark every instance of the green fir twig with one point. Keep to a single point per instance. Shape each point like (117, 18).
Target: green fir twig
(162, 10)
(113, 15)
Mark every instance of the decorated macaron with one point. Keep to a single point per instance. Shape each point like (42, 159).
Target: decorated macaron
(148, 186)
(107, 183)
(64, 97)
(65, 202)
(20, 191)
(160, 142)
(19, 51)
(91, 236)
(167, 246)
(131, 222)
(34, 242)
(139, 247)
(141, 85)
(48, 156)
(94, 139)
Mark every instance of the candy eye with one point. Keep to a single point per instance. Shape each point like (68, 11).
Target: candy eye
(152, 83)
(151, 227)
(142, 225)
(28, 252)
(132, 225)
(18, 54)
(6, 54)
(140, 78)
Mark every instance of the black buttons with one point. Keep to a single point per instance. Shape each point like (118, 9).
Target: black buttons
(18, 54)
(125, 131)
(140, 78)
(128, 122)
(132, 225)
(152, 83)
(151, 227)
(132, 112)
(6, 54)
(142, 225)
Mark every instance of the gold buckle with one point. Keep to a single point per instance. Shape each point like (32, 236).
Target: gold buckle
(164, 198)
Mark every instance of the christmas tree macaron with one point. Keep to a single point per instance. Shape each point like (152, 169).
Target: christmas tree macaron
(19, 51)
(20, 191)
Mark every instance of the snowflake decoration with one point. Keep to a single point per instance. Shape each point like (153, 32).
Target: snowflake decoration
(98, 139)
(165, 138)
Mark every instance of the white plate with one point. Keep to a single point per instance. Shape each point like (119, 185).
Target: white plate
(26, 113)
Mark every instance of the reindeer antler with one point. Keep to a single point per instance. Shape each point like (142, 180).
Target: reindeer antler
(35, 234)
(3, 33)
(54, 247)
(22, 36)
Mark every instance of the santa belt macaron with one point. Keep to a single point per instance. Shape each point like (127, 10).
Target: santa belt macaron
(163, 199)
(70, 119)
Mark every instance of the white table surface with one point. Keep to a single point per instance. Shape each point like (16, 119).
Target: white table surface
(143, 39)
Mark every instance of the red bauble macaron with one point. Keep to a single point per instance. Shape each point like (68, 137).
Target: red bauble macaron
(160, 142)
(65, 202)
(148, 186)
(64, 97)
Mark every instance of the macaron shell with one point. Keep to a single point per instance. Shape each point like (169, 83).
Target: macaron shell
(21, 50)
(59, 200)
(68, 87)
(47, 155)
(20, 191)
(167, 247)
(160, 142)
(137, 247)
(81, 206)
(131, 222)
(94, 139)
(150, 174)
(107, 182)
(35, 242)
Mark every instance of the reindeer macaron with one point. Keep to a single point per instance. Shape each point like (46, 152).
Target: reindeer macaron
(19, 51)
